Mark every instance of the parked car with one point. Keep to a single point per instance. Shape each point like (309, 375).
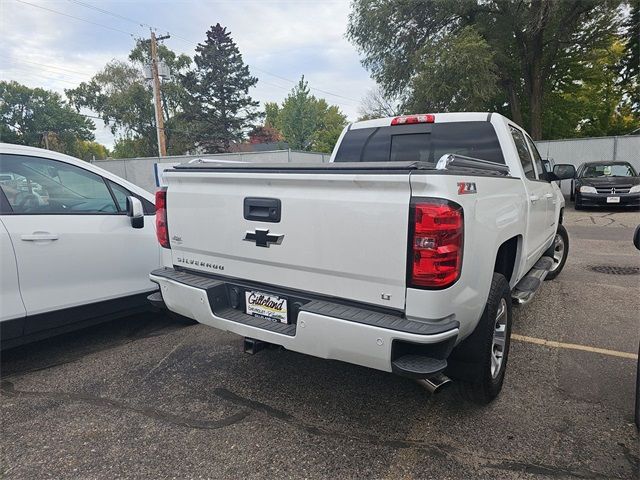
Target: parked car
(404, 254)
(76, 244)
(606, 183)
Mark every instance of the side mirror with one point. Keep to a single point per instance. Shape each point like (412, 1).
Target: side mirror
(564, 171)
(135, 212)
(636, 237)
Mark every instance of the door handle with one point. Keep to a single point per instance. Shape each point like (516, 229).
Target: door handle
(548, 195)
(534, 198)
(39, 236)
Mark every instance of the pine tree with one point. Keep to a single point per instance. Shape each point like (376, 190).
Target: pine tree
(218, 104)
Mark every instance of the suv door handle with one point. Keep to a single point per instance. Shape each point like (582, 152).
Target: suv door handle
(534, 198)
(548, 195)
(39, 236)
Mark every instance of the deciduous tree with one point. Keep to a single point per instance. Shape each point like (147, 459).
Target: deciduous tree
(306, 123)
(123, 98)
(29, 115)
(521, 50)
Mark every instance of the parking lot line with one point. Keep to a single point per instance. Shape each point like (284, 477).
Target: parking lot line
(573, 346)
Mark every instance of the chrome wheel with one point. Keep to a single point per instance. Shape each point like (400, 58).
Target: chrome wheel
(498, 344)
(558, 251)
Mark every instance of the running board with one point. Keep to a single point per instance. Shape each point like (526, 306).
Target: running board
(529, 285)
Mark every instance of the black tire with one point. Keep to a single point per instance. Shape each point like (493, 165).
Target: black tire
(578, 204)
(475, 351)
(558, 265)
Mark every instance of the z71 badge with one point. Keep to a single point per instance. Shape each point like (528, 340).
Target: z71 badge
(466, 187)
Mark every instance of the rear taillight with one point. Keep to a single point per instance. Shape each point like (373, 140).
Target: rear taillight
(411, 119)
(436, 235)
(162, 230)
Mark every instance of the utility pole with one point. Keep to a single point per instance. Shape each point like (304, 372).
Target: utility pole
(157, 102)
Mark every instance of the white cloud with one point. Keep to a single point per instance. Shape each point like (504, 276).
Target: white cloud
(285, 38)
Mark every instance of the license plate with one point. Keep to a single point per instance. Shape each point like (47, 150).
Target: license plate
(267, 306)
(613, 199)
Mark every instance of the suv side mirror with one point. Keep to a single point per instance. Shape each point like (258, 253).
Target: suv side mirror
(564, 171)
(135, 212)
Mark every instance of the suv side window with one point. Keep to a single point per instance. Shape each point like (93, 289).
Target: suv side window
(523, 153)
(120, 194)
(537, 159)
(43, 186)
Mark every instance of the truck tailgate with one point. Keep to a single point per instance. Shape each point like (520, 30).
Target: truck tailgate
(339, 234)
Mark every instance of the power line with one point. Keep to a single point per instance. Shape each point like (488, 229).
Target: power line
(326, 92)
(44, 65)
(40, 77)
(191, 43)
(113, 14)
(311, 88)
(77, 18)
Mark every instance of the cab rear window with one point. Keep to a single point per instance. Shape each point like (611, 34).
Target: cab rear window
(421, 142)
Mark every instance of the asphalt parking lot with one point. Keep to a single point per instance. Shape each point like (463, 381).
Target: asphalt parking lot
(148, 397)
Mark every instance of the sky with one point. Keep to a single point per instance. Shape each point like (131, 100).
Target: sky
(43, 45)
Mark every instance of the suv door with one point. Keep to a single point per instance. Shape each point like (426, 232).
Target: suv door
(537, 229)
(550, 194)
(12, 310)
(73, 242)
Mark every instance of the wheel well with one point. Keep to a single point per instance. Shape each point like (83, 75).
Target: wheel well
(561, 216)
(506, 258)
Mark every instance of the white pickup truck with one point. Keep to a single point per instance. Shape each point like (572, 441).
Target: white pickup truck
(403, 254)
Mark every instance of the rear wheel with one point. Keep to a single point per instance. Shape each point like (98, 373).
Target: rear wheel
(487, 348)
(558, 251)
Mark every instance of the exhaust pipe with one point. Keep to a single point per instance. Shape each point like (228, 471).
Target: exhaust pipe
(435, 383)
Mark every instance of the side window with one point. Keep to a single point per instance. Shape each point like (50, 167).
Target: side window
(537, 159)
(34, 185)
(523, 153)
(120, 193)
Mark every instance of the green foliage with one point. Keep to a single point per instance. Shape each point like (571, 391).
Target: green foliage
(331, 122)
(629, 66)
(27, 115)
(129, 147)
(298, 117)
(455, 73)
(518, 58)
(218, 108)
(596, 106)
(124, 100)
(306, 123)
(89, 150)
(271, 110)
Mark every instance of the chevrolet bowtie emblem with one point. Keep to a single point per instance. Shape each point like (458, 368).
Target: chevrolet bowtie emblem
(263, 238)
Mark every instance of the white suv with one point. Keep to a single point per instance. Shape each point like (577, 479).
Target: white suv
(76, 244)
